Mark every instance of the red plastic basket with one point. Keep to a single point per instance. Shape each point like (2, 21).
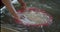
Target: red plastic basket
(36, 10)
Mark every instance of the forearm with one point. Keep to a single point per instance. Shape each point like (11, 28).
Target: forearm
(23, 4)
(10, 7)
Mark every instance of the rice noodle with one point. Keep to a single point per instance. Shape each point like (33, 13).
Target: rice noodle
(37, 17)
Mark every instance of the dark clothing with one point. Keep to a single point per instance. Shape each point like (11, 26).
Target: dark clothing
(1, 4)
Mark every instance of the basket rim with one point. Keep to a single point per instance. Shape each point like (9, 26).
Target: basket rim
(43, 11)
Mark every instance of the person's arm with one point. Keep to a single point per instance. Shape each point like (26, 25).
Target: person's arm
(23, 4)
(10, 7)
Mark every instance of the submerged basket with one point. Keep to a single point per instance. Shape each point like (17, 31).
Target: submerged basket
(32, 15)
